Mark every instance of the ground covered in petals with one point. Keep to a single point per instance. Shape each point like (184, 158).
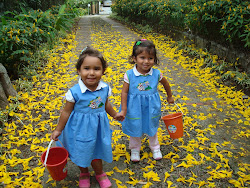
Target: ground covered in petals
(214, 151)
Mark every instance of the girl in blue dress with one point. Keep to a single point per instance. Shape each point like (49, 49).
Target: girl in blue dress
(83, 127)
(140, 100)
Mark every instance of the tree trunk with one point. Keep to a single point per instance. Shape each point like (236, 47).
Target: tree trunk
(6, 88)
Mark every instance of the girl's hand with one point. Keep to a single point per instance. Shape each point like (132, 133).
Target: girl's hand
(170, 100)
(119, 116)
(55, 135)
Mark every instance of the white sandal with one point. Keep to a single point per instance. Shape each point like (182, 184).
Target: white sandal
(157, 154)
(135, 155)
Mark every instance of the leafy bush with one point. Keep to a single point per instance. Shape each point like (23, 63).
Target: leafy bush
(162, 14)
(219, 20)
(23, 33)
(34, 4)
(227, 19)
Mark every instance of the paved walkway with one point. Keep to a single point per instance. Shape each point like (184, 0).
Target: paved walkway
(213, 118)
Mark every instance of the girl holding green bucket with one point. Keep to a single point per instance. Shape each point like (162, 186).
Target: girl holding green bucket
(140, 100)
(83, 127)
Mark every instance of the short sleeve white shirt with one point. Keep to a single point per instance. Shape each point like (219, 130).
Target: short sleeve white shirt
(83, 88)
(150, 72)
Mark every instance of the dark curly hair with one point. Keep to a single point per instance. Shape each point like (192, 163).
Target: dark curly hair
(144, 45)
(88, 51)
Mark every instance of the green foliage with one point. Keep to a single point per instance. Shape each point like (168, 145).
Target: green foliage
(62, 20)
(79, 3)
(77, 8)
(34, 4)
(227, 19)
(23, 85)
(219, 20)
(163, 14)
(23, 33)
(240, 78)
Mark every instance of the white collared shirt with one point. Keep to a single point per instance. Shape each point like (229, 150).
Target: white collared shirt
(135, 71)
(83, 88)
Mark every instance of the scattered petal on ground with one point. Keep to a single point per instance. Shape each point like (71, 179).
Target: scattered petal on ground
(213, 152)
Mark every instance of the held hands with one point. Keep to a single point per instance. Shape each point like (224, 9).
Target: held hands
(170, 100)
(119, 116)
(55, 135)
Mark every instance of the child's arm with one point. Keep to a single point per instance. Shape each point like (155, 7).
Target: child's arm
(167, 88)
(69, 106)
(110, 110)
(124, 97)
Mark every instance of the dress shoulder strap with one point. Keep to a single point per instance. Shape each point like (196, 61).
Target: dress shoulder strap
(158, 73)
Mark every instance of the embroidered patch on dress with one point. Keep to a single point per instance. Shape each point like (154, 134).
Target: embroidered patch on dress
(96, 103)
(144, 86)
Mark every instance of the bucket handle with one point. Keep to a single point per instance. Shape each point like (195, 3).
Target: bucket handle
(177, 107)
(47, 153)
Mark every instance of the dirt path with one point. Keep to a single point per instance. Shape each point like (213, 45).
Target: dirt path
(214, 151)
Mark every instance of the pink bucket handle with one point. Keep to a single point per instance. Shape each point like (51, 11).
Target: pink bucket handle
(47, 153)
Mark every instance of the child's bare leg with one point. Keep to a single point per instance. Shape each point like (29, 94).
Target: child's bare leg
(101, 177)
(97, 166)
(83, 170)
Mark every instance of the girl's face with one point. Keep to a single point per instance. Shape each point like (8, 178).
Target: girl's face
(91, 72)
(144, 62)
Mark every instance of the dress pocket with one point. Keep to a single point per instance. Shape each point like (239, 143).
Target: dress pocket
(155, 118)
(87, 130)
(133, 117)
